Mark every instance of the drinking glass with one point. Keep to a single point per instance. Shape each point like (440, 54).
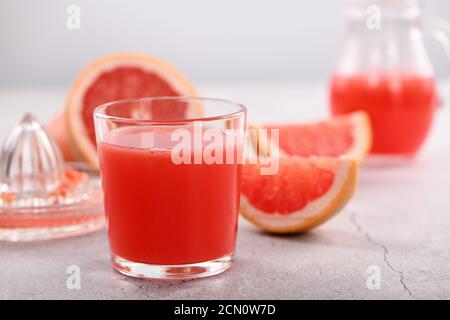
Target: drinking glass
(170, 170)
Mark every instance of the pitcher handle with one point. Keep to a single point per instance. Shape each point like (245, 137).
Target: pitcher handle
(439, 30)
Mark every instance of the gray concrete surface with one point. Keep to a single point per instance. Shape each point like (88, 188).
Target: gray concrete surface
(397, 222)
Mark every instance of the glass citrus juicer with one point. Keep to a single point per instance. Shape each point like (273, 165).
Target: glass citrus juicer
(41, 197)
(384, 69)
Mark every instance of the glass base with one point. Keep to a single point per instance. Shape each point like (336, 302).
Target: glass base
(46, 233)
(176, 272)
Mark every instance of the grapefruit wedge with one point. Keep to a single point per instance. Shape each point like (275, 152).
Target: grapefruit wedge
(115, 77)
(344, 135)
(304, 192)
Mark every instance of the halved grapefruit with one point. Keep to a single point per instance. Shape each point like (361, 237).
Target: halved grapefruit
(344, 135)
(114, 77)
(304, 193)
(57, 129)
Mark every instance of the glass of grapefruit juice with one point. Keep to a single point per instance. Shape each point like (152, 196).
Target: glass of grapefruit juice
(171, 172)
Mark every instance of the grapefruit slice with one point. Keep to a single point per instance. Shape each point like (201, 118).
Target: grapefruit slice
(115, 77)
(344, 135)
(304, 193)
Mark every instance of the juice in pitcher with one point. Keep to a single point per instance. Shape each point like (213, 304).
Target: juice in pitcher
(400, 106)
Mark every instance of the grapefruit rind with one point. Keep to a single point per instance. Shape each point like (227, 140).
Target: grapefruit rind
(362, 134)
(83, 147)
(316, 212)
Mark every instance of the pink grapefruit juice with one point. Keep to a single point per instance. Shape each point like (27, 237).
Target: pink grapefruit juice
(400, 106)
(159, 212)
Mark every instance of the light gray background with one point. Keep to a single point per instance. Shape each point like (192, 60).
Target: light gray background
(209, 40)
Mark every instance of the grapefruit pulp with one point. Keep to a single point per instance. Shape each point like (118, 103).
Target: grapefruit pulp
(304, 193)
(344, 135)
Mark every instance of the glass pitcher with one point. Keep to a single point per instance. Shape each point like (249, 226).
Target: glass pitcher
(385, 70)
